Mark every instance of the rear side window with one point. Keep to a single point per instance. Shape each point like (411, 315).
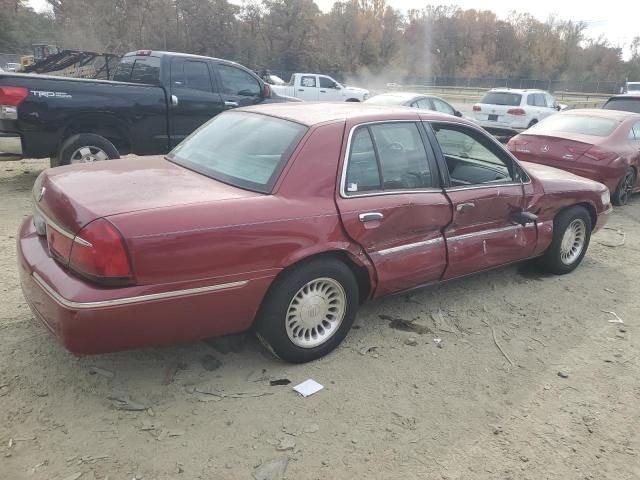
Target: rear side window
(387, 157)
(308, 81)
(146, 70)
(581, 124)
(191, 74)
(238, 82)
(122, 72)
(623, 104)
(502, 98)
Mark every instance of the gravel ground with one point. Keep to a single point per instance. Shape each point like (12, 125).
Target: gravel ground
(562, 402)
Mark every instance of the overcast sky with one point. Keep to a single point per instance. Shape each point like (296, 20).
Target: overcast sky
(617, 20)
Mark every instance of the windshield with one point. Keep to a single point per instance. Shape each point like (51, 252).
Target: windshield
(623, 104)
(243, 149)
(502, 98)
(581, 124)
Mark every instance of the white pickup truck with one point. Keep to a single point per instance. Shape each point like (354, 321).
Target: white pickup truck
(319, 88)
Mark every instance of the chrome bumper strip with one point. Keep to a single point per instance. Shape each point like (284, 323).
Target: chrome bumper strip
(59, 299)
(409, 246)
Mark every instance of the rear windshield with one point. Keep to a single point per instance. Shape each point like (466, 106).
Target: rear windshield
(631, 86)
(138, 70)
(386, 100)
(243, 149)
(581, 124)
(623, 104)
(502, 98)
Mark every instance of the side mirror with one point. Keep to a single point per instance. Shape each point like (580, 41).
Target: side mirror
(266, 91)
(458, 113)
(523, 217)
(557, 106)
(337, 87)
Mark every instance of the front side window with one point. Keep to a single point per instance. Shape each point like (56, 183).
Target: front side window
(540, 100)
(387, 157)
(471, 157)
(243, 149)
(238, 82)
(326, 82)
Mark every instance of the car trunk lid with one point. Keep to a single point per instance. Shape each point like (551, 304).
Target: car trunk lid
(73, 196)
(552, 150)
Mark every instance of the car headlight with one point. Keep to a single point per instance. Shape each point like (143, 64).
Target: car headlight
(606, 197)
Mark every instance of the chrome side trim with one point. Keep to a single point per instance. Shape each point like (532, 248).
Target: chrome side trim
(409, 246)
(482, 233)
(60, 300)
(62, 231)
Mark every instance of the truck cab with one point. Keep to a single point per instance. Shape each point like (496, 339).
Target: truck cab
(311, 87)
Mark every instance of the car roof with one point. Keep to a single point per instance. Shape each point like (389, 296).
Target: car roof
(618, 115)
(626, 95)
(159, 53)
(316, 113)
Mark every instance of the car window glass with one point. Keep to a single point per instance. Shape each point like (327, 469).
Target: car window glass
(326, 82)
(196, 76)
(625, 104)
(425, 104)
(551, 102)
(146, 70)
(402, 156)
(362, 169)
(540, 100)
(238, 82)
(502, 98)
(575, 123)
(443, 107)
(636, 131)
(471, 157)
(308, 81)
(531, 100)
(122, 72)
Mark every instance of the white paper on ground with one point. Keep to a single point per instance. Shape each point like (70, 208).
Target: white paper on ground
(308, 387)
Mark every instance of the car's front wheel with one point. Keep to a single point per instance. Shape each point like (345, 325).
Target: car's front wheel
(309, 310)
(571, 236)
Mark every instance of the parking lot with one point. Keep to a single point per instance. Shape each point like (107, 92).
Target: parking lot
(509, 374)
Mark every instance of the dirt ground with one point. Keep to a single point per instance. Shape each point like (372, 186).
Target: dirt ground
(396, 404)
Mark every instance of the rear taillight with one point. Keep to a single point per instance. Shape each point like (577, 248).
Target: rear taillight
(476, 108)
(518, 145)
(59, 243)
(516, 111)
(10, 98)
(596, 153)
(98, 253)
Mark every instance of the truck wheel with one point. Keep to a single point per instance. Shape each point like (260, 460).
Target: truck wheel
(309, 310)
(85, 148)
(571, 236)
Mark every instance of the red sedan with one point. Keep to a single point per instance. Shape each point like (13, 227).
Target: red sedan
(286, 218)
(603, 145)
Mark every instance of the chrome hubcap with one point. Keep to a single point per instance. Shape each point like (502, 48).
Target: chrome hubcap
(88, 154)
(573, 241)
(316, 312)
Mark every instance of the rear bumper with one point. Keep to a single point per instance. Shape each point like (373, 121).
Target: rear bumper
(88, 320)
(10, 146)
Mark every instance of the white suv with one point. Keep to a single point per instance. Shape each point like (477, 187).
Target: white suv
(508, 108)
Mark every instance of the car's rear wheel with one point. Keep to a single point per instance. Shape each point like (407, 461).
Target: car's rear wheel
(352, 100)
(309, 310)
(571, 236)
(86, 148)
(625, 187)
(532, 123)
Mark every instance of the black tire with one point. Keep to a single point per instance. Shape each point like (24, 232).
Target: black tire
(552, 259)
(353, 100)
(271, 321)
(532, 123)
(625, 187)
(86, 140)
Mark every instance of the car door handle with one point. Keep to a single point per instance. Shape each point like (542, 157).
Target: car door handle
(370, 217)
(465, 207)
(231, 104)
(174, 100)
(301, 89)
(323, 91)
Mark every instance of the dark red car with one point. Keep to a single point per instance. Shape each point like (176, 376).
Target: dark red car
(603, 145)
(286, 218)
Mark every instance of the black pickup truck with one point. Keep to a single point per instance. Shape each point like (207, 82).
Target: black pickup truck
(155, 100)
